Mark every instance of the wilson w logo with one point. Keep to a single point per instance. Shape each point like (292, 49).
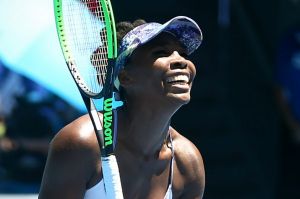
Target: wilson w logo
(108, 122)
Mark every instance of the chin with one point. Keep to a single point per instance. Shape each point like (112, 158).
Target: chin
(180, 99)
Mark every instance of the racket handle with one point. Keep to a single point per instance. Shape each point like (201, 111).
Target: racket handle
(111, 177)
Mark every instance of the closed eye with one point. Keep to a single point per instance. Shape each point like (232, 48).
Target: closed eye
(165, 52)
(161, 53)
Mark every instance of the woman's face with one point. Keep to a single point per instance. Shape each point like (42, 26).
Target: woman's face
(160, 70)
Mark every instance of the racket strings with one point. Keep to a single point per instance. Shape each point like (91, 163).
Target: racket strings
(86, 29)
(100, 63)
(102, 69)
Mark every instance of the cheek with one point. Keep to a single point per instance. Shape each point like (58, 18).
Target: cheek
(161, 65)
(193, 69)
(148, 73)
(153, 70)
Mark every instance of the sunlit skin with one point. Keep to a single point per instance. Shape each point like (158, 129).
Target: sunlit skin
(143, 124)
(152, 64)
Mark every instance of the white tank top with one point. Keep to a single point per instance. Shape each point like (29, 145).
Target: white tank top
(98, 191)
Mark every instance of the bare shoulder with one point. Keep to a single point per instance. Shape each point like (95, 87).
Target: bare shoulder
(186, 153)
(72, 160)
(189, 164)
(76, 142)
(78, 134)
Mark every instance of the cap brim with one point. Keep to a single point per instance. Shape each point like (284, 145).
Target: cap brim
(185, 29)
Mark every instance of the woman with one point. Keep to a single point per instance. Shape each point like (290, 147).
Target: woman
(155, 161)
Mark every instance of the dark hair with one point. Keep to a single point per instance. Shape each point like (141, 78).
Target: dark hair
(123, 28)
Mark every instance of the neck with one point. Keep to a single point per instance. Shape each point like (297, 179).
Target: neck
(143, 130)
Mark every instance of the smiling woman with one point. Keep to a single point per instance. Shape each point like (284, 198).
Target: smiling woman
(159, 72)
(155, 161)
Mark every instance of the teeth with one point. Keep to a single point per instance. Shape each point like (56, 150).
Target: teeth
(181, 78)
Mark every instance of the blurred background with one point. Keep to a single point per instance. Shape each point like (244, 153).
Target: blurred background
(244, 115)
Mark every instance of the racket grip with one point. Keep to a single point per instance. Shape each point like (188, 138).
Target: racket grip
(111, 177)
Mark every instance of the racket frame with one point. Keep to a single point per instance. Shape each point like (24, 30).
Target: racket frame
(104, 130)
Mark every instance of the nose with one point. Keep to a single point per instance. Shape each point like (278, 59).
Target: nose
(178, 62)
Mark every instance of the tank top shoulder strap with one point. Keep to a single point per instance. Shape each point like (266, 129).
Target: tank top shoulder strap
(169, 193)
(172, 159)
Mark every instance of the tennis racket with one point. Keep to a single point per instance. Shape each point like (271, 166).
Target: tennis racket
(87, 36)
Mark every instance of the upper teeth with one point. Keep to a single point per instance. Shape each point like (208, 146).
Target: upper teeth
(183, 78)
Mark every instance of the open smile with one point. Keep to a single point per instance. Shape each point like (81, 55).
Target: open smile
(179, 82)
(178, 79)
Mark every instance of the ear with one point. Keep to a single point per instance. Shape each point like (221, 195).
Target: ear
(125, 78)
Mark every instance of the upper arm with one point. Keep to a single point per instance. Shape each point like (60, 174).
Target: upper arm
(195, 180)
(69, 165)
(190, 164)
